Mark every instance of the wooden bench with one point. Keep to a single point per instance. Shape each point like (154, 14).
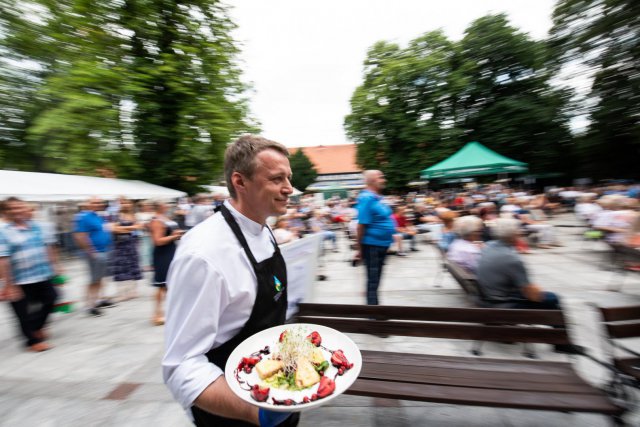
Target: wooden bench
(623, 323)
(502, 383)
(467, 281)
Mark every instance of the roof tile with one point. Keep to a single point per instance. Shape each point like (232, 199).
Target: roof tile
(329, 159)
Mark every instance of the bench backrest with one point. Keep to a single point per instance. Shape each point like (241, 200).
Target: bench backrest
(622, 322)
(483, 324)
(467, 280)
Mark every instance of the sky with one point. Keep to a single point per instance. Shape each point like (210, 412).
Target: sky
(304, 58)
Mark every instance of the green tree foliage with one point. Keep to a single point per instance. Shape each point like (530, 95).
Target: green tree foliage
(605, 36)
(304, 173)
(145, 89)
(20, 76)
(401, 115)
(418, 105)
(508, 103)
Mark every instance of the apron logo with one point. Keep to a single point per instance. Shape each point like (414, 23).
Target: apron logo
(277, 283)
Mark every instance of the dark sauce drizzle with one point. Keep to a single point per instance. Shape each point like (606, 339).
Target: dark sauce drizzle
(244, 384)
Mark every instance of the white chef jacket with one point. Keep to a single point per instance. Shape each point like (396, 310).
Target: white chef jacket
(211, 291)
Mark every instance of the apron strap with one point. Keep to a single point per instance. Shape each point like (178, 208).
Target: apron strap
(236, 230)
(273, 240)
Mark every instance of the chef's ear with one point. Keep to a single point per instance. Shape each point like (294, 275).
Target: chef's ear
(238, 181)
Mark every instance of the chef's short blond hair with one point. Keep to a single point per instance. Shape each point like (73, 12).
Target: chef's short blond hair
(241, 156)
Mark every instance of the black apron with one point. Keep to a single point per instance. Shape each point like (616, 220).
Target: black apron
(269, 309)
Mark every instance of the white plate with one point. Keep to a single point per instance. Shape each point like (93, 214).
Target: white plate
(331, 339)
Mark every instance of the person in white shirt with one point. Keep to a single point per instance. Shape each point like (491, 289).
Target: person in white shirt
(282, 233)
(227, 282)
(586, 209)
(200, 211)
(465, 250)
(533, 220)
(509, 209)
(613, 220)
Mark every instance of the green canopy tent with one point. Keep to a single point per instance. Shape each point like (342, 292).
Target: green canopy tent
(471, 160)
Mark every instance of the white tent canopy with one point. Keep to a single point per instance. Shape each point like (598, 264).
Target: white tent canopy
(51, 187)
(218, 189)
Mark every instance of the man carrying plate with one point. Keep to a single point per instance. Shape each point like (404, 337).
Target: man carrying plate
(227, 282)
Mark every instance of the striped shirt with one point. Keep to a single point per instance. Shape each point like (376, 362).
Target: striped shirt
(26, 248)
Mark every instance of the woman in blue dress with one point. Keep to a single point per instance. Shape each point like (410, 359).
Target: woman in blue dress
(126, 265)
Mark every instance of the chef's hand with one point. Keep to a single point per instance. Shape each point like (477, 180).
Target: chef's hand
(270, 418)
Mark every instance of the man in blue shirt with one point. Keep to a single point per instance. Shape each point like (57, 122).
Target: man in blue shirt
(94, 240)
(27, 263)
(375, 231)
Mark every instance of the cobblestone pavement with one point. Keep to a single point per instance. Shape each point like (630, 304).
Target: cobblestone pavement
(106, 371)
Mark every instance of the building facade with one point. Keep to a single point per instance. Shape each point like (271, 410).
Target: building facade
(336, 167)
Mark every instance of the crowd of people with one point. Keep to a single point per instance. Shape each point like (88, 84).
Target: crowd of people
(468, 227)
(486, 231)
(120, 239)
(123, 238)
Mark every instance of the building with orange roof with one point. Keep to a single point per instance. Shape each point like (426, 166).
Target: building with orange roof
(336, 166)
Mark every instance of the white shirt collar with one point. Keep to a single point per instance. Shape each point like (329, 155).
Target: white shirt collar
(245, 223)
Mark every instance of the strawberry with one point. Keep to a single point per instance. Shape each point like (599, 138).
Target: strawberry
(339, 360)
(259, 394)
(326, 387)
(315, 338)
(248, 363)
